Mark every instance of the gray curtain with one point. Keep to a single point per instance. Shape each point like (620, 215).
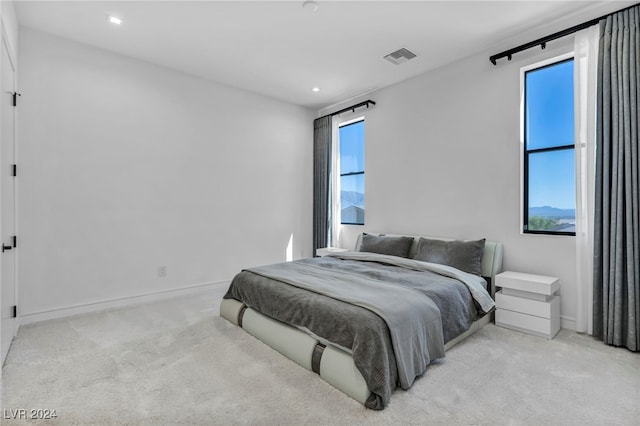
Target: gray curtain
(321, 183)
(616, 288)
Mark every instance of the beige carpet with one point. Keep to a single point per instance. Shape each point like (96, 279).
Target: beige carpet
(177, 362)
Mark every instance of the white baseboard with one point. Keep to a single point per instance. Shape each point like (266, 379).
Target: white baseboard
(568, 322)
(68, 311)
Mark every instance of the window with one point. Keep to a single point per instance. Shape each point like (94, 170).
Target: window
(549, 200)
(351, 141)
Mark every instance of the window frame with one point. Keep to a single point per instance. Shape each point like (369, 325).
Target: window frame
(524, 153)
(344, 123)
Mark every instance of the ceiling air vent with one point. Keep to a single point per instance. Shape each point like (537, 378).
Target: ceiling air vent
(400, 56)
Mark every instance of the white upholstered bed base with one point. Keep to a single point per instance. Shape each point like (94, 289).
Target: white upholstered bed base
(333, 364)
(336, 366)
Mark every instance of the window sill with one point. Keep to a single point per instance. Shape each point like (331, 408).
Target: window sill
(551, 234)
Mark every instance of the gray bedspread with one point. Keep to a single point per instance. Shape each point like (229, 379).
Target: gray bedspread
(393, 314)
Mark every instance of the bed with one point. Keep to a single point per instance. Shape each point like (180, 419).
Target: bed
(370, 320)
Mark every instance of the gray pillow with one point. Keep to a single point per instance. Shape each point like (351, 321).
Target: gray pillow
(394, 246)
(464, 255)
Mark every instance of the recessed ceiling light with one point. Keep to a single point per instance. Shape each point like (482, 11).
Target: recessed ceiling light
(316, 89)
(310, 5)
(114, 20)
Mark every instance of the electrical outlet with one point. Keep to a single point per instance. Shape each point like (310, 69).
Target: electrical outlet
(162, 271)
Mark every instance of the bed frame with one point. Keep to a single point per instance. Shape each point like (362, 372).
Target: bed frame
(335, 364)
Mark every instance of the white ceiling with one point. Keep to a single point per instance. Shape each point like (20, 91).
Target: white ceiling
(282, 50)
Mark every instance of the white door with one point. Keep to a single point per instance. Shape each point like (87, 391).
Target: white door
(7, 204)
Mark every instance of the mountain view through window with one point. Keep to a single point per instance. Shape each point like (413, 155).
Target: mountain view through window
(550, 200)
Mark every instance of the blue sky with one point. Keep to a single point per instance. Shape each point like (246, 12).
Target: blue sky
(550, 122)
(352, 156)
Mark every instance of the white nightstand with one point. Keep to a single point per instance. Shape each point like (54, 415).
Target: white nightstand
(528, 303)
(326, 250)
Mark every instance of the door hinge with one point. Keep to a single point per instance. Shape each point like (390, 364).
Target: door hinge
(14, 311)
(15, 241)
(15, 98)
(14, 170)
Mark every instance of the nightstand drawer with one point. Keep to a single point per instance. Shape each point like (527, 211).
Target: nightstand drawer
(528, 306)
(524, 322)
(528, 282)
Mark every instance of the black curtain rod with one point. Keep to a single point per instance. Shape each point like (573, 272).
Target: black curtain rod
(542, 42)
(351, 108)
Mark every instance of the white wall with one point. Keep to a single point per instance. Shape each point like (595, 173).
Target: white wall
(10, 23)
(442, 158)
(126, 166)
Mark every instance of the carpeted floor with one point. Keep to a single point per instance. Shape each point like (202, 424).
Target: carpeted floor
(177, 362)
